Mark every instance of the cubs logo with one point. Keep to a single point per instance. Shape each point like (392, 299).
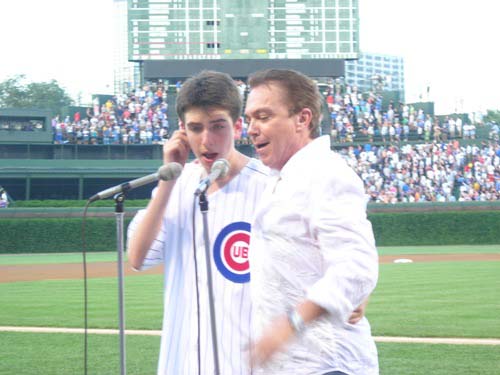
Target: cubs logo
(231, 252)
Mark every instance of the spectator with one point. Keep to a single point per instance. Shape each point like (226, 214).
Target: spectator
(494, 131)
(4, 198)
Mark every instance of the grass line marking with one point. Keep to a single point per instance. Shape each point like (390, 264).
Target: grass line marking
(413, 340)
(438, 340)
(80, 330)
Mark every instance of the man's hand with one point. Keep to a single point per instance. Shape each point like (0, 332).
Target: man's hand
(358, 313)
(273, 340)
(176, 149)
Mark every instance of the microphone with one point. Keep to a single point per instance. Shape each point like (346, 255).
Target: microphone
(219, 170)
(166, 172)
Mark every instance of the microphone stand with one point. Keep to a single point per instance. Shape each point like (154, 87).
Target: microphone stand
(203, 202)
(119, 214)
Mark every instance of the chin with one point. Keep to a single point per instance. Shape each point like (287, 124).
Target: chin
(267, 163)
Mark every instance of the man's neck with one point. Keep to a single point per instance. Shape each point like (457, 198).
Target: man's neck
(237, 161)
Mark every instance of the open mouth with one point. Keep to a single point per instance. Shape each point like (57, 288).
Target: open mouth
(209, 156)
(261, 145)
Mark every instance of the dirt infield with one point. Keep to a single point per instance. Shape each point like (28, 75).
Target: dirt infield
(37, 272)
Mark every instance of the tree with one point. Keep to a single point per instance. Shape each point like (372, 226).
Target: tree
(492, 116)
(16, 93)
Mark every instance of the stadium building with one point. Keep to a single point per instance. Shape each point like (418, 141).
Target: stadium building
(376, 72)
(127, 74)
(172, 40)
(176, 38)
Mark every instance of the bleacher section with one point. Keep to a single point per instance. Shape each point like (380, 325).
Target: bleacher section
(123, 140)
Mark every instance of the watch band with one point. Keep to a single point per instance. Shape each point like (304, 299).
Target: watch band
(296, 321)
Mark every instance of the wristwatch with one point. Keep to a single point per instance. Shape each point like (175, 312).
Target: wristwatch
(296, 321)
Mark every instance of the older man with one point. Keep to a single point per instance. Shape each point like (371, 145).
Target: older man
(312, 257)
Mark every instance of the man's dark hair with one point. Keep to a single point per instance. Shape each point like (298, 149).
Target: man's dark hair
(209, 89)
(302, 92)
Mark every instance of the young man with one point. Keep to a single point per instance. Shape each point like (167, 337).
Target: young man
(313, 257)
(170, 231)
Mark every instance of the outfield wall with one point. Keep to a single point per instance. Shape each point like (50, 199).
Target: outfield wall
(30, 172)
(60, 230)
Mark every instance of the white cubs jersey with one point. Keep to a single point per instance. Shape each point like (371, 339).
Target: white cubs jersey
(187, 326)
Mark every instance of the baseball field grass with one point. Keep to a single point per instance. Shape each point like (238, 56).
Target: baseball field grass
(61, 354)
(459, 299)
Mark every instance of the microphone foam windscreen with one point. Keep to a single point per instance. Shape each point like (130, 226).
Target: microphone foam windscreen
(222, 165)
(170, 171)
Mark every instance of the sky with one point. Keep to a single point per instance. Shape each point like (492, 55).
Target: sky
(450, 46)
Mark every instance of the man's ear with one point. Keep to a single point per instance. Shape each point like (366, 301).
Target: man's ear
(181, 125)
(304, 118)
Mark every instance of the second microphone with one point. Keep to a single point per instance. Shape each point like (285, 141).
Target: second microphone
(220, 169)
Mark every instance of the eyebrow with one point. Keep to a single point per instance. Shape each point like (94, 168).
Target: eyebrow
(213, 122)
(259, 111)
(218, 121)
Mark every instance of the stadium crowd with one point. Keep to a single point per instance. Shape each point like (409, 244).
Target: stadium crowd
(433, 168)
(430, 172)
(140, 117)
(436, 170)
(354, 114)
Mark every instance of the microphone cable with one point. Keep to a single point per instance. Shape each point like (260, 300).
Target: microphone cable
(193, 226)
(85, 293)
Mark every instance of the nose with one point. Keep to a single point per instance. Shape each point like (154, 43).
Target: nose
(206, 138)
(252, 128)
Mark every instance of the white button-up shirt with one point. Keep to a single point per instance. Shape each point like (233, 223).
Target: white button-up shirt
(311, 240)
